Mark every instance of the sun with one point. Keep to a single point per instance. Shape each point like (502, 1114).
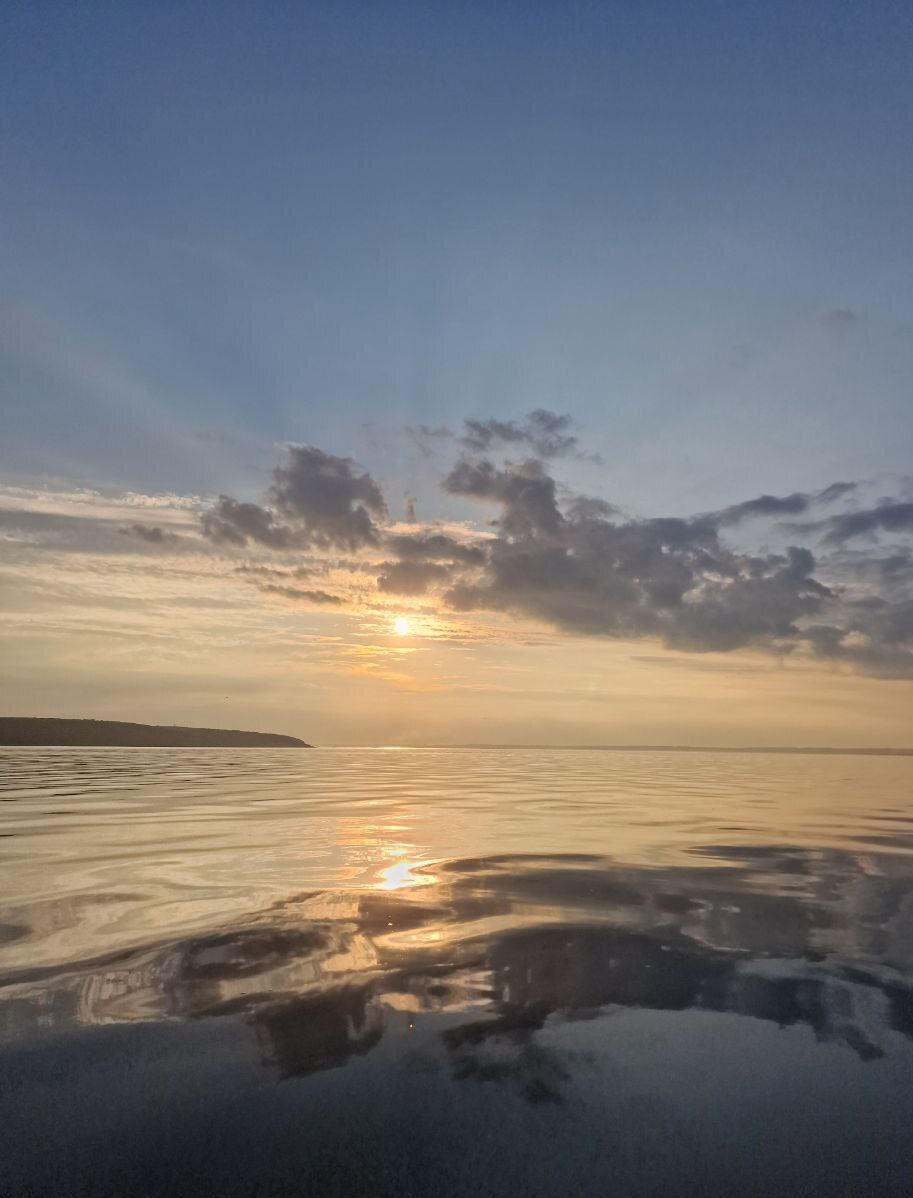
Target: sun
(401, 626)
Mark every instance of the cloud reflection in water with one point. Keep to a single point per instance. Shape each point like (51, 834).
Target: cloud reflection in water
(506, 945)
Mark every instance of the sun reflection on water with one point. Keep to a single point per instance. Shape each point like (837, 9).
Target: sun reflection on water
(400, 875)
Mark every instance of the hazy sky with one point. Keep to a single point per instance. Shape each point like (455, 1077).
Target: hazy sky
(659, 257)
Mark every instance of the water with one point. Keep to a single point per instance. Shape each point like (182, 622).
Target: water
(457, 971)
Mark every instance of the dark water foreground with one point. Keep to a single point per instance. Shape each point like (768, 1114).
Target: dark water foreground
(738, 1020)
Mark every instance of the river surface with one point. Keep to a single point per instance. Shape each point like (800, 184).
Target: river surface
(454, 971)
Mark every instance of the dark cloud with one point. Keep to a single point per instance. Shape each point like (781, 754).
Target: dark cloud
(664, 578)
(434, 547)
(527, 493)
(762, 605)
(576, 569)
(258, 571)
(766, 505)
(317, 598)
(411, 577)
(891, 516)
(584, 568)
(229, 522)
(425, 559)
(880, 646)
(280, 580)
(584, 507)
(784, 505)
(330, 497)
(316, 499)
(152, 534)
(546, 433)
(836, 491)
(888, 576)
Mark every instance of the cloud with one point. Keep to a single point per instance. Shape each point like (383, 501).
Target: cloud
(328, 496)
(784, 505)
(766, 505)
(89, 533)
(425, 437)
(425, 559)
(152, 534)
(581, 565)
(411, 577)
(836, 491)
(877, 639)
(839, 320)
(70, 499)
(257, 571)
(229, 522)
(891, 516)
(527, 493)
(316, 499)
(583, 507)
(664, 579)
(317, 598)
(431, 546)
(888, 573)
(546, 433)
(281, 580)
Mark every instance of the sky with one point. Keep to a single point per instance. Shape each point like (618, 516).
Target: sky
(579, 337)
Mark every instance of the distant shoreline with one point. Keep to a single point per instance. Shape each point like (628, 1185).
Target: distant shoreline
(40, 732)
(783, 749)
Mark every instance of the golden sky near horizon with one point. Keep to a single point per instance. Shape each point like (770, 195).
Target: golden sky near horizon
(100, 623)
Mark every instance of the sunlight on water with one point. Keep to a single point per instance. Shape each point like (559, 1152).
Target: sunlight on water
(104, 849)
(396, 877)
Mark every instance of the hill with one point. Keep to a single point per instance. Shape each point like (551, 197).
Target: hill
(16, 730)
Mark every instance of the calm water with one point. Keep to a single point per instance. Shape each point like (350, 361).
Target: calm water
(454, 972)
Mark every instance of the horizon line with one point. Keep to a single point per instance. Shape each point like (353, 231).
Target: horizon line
(856, 750)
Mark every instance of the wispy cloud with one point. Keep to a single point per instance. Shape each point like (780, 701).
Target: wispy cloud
(544, 433)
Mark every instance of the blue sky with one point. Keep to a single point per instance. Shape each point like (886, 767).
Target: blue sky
(227, 226)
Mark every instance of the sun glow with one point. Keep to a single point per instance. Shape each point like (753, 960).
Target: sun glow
(401, 626)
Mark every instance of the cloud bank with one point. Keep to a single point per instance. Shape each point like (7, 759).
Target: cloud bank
(579, 565)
